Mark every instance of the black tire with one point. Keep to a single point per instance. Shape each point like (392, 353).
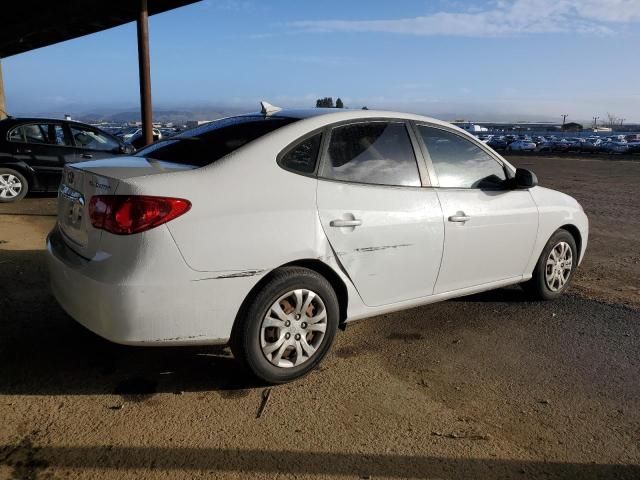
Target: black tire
(24, 186)
(537, 287)
(246, 338)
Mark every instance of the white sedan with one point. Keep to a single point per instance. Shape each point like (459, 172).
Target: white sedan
(521, 146)
(270, 231)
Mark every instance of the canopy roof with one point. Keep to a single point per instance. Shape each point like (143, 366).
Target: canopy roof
(29, 24)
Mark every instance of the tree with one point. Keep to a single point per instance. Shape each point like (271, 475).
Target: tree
(612, 120)
(365, 108)
(326, 102)
(339, 103)
(572, 127)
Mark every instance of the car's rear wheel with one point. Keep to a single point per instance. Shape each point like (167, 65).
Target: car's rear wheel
(555, 268)
(288, 326)
(13, 185)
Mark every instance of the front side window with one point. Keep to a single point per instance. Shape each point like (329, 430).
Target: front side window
(379, 153)
(302, 158)
(204, 145)
(459, 163)
(92, 139)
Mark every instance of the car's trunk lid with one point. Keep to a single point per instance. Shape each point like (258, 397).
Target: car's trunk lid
(81, 181)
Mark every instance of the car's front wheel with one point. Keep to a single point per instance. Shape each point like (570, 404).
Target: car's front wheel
(555, 267)
(288, 327)
(13, 185)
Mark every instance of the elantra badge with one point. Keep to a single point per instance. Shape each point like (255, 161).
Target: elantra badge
(70, 177)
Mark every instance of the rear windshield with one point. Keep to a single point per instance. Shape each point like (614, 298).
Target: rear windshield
(204, 145)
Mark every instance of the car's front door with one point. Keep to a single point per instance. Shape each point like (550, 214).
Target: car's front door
(384, 227)
(93, 144)
(490, 229)
(45, 147)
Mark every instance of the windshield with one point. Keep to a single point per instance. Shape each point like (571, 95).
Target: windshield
(205, 144)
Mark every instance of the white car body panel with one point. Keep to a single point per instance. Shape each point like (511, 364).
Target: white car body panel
(495, 244)
(185, 281)
(395, 254)
(557, 210)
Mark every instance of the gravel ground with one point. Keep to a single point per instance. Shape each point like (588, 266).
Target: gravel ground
(488, 386)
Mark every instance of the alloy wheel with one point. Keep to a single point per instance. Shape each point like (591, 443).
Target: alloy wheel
(10, 186)
(558, 266)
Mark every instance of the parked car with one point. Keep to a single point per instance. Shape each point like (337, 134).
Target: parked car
(497, 143)
(554, 146)
(137, 139)
(128, 133)
(590, 146)
(633, 146)
(614, 146)
(269, 231)
(521, 146)
(134, 136)
(33, 152)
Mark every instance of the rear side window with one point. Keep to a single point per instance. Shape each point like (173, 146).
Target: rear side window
(378, 153)
(303, 157)
(47, 133)
(29, 134)
(210, 142)
(17, 135)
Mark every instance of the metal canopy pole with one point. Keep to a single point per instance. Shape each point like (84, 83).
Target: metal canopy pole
(145, 72)
(3, 104)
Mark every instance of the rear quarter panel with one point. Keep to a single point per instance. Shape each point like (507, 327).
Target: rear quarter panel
(247, 213)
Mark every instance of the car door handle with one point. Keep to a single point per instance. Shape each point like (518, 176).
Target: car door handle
(345, 223)
(24, 150)
(459, 217)
(86, 155)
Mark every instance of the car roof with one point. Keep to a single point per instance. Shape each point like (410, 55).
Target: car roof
(36, 119)
(340, 114)
(9, 121)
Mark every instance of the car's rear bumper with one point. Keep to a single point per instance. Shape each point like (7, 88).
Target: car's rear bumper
(143, 310)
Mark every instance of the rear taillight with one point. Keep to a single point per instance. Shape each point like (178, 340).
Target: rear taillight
(128, 214)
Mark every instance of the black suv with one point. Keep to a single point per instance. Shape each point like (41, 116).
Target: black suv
(33, 152)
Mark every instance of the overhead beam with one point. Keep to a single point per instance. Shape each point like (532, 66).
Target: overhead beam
(144, 68)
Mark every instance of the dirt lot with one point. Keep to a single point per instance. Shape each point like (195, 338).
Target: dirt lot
(489, 386)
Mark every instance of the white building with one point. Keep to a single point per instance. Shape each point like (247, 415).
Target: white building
(470, 127)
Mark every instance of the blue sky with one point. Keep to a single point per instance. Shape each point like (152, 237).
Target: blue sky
(476, 60)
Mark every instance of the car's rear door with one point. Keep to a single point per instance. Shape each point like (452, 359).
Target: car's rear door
(45, 147)
(385, 228)
(490, 228)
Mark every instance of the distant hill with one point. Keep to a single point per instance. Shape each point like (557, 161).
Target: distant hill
(133, 115)
(178, 116)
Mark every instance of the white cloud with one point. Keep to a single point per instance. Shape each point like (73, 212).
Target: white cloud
(499, 18)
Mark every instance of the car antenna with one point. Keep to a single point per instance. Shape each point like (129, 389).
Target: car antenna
(267, 109)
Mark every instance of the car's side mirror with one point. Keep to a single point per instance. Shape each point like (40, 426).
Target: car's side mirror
(524, 178)
(127, 148)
